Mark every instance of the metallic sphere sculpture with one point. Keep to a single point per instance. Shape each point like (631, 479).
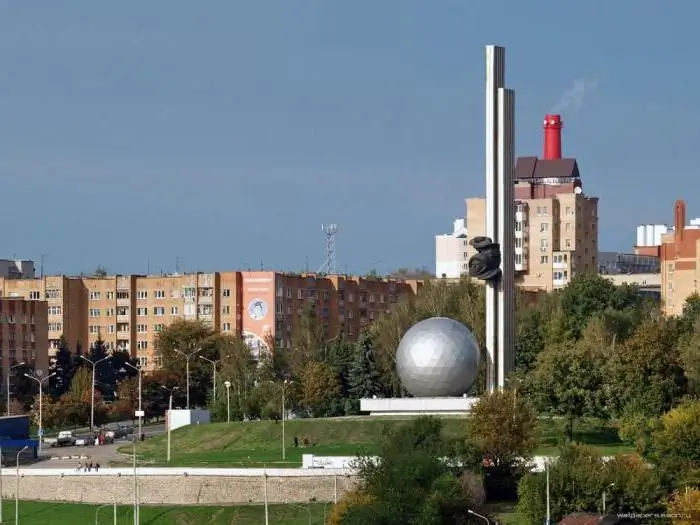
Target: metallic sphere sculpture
(438, 357)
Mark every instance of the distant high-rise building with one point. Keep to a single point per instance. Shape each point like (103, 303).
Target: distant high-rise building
(556, 224)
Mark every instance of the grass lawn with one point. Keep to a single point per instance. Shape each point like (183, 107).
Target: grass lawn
(258, 443)
(43, 513)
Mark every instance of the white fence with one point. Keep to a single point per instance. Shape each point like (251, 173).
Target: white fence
(154, 472)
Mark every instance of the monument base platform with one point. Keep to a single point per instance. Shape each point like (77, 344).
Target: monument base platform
(418, 406)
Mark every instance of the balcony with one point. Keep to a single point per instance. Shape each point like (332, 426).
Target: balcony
(123, 318)
(559, 282)
(205, 299)
(123, 301)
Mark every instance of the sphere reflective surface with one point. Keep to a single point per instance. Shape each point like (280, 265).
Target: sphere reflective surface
(438, 357)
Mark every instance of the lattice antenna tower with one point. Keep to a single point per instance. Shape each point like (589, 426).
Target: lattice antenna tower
(330, 266)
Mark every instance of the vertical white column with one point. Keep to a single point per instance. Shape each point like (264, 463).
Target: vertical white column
(495, 79)
(506, 236)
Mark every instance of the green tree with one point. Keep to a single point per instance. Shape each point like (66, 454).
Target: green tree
(155, 398)
(23, 388)
(587, 295)
(568, 381)
(193, 338)
(644, 373)
(62, 367)
(675, 443)
(530, 340)
(308, 340)
(127, 399)
(411, 481)
(691, 310)
(105, 379)
(502, 428)
(689, 354)
(75, 406)
(684, 504)
(577, 480)
(364, 379)
(319, 388)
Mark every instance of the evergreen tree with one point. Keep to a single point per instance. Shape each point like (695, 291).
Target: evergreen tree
(78, 362)
(120, 369)
(363, 377)
(62, 365)
(340, 356)
(105, 380)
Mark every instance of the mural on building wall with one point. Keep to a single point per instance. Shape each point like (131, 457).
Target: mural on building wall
(257, 325)
(257, 309)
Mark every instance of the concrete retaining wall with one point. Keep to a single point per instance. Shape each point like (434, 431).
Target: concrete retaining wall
(172, 488)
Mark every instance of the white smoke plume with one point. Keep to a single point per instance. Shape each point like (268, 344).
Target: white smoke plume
(572, 99)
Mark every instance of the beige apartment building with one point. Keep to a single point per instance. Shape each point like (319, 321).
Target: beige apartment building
(556, 224)
(127, 312)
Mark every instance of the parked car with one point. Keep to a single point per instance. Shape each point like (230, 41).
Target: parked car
(65, 439)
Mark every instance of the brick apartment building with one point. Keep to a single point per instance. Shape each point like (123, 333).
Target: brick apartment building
(680, 261)
(128, 311)
(23, 334)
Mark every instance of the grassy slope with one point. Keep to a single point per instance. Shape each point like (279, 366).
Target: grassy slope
(258, 443)
(41, 513)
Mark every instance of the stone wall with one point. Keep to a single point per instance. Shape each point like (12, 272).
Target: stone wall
(179, 490)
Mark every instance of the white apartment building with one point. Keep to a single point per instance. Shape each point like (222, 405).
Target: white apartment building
(451, 259)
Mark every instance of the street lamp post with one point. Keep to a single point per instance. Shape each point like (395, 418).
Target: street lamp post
(10, 369)
(479, 516)
(214, 363)
(170, 410)
(92, 400)
(137, 510)
(187, 369)
(140, 411)
(605, 495)
(284, 417)
(227, 384)
(40, 382)
(17, 486)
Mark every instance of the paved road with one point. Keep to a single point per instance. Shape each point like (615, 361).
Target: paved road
(101, 454)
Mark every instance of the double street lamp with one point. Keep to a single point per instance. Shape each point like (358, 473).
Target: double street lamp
(187, 357)
(9, 370)
(40, 381)
(140, 410)
(170, 414)
(92, 399)
(285, 384)
(214, 363)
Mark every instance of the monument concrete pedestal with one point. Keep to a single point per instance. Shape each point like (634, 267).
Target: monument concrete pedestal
(418, 406)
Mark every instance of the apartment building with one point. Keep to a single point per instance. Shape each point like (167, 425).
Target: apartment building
(680, 261)
(23, 334)
(451, 259)
(556, 224)
(127, 312)
(17, 269)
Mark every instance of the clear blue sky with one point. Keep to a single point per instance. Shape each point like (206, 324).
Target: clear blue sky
(225, 132)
